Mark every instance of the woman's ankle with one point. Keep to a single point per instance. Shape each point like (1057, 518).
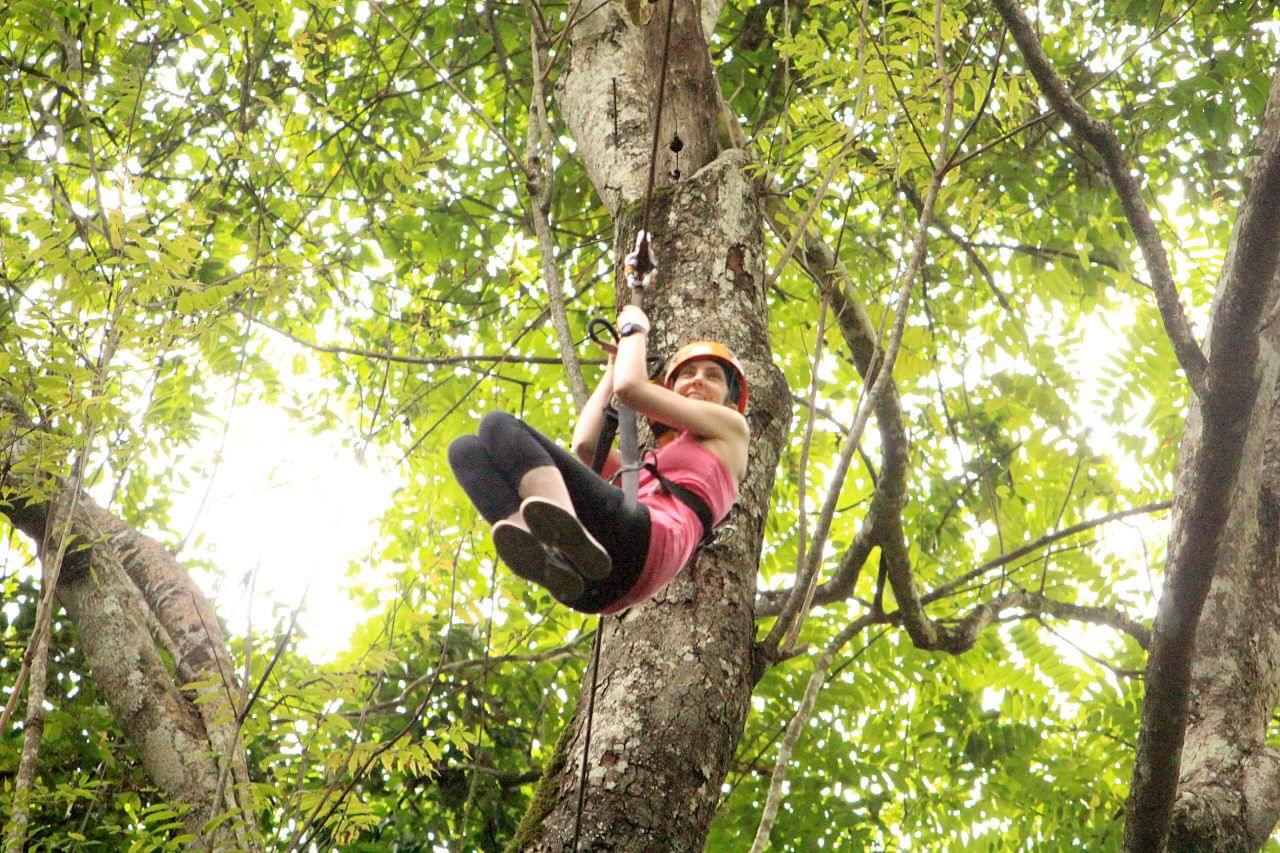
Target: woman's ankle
(517, 518)
(546, 483)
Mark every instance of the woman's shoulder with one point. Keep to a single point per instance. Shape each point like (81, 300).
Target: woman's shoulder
(730, 451)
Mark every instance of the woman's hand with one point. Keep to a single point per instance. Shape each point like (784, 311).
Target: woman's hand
(633, 314)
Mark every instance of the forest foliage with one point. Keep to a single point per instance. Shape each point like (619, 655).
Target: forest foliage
(319, 207)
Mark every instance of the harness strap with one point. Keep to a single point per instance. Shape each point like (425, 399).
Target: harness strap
(689, 499)
(605, 442)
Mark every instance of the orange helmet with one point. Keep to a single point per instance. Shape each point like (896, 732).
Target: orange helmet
(719, 352)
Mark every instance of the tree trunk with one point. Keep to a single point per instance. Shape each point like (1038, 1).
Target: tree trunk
(1226, 519)
(676, 673)
(1229, 790)
(119, 588)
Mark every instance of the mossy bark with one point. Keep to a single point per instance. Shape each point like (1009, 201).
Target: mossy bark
(544, 796)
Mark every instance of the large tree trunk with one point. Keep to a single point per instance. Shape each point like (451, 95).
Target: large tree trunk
(676, 673)
(126, 594)
(1227, 519)
(1229, 797)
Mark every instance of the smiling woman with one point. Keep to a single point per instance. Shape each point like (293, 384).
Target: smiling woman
(562, 526)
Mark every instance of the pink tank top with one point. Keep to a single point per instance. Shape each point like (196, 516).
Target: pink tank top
(674, 528)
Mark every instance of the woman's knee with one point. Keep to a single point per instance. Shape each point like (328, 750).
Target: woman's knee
(497, 427)
(465, 453)
(502, 432)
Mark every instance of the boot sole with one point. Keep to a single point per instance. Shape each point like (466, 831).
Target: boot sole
(525, 556)
(566, 540)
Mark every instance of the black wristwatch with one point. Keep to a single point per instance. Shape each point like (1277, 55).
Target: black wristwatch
(631, 329)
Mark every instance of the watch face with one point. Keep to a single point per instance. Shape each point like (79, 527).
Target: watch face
(630, 329)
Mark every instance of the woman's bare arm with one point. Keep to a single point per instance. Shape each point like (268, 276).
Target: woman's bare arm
(586, 433)
(631, 383)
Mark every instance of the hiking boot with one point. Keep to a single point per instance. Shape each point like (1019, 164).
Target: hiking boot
(567, 542)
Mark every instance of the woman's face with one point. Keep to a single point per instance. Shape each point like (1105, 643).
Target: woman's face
(702, 379)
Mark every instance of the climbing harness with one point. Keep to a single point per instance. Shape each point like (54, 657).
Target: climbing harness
(687, 497)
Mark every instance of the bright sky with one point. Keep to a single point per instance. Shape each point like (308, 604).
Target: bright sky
(296, 507)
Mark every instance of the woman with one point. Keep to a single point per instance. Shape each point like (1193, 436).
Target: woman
(559, 524)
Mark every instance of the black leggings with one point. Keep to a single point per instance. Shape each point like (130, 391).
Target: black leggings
(489, 467)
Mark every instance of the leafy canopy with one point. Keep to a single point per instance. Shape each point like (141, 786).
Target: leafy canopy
(208, 207)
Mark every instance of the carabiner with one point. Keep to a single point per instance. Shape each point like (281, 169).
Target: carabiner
(598, 326)
(641, 265)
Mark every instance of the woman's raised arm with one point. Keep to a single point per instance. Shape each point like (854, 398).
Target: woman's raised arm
(631, 384)
(586, 433)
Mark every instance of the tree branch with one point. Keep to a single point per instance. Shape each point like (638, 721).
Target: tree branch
(1047, 539)
(107, 563)
(880, 380)
(539, 180)
(959, 640)
(793, 631)
(567, 650)
(903, 585)
(822, 265)
(801, 228)
(477, 112)
(1128, 188)
(965, 634)
(36, 658)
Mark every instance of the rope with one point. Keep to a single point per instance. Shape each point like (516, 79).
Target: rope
(586, 741)
(644, 269)
(657, 124)
(627, 421)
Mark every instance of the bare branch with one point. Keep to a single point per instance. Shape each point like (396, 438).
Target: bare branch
(793, 632)
(797, 724)
(1037, 544)
(539, 180)
(567, 650)
(820, 262)
(1128, 188)
(430, 361)
(965, 634)
(798, 232)
(903, 586)
(1117, 619)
